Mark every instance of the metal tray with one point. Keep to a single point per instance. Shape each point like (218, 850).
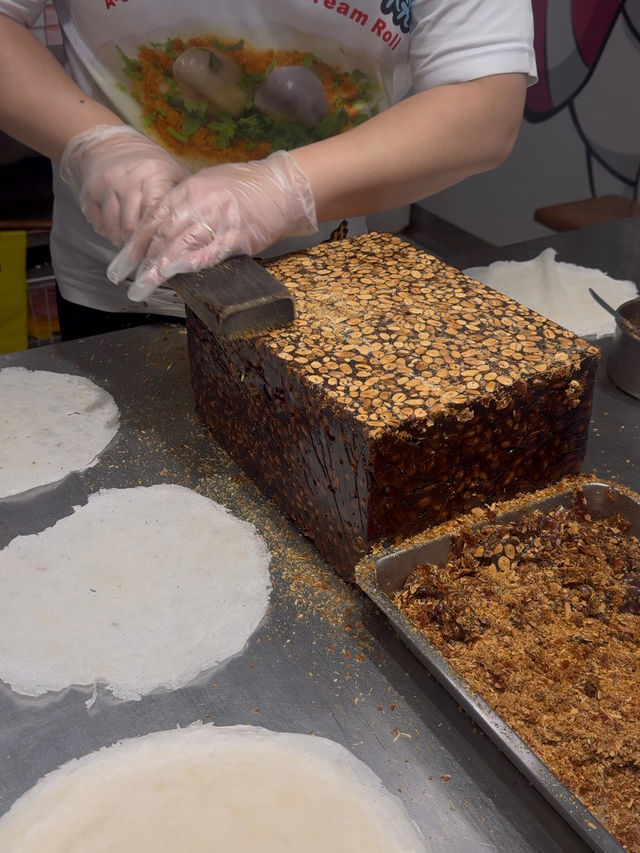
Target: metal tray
(389, 575)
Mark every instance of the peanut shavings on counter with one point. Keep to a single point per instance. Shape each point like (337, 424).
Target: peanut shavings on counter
(542, 618)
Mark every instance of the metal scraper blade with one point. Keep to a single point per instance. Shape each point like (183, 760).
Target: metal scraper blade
(237, 298)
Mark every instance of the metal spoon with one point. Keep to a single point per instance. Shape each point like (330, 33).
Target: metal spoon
(630, 328)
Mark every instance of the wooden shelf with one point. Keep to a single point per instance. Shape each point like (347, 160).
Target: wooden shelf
(589, 211)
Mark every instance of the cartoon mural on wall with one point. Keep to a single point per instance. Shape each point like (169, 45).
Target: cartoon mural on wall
(585, 50)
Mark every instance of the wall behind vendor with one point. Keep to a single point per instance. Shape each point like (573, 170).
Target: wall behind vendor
(581, 134)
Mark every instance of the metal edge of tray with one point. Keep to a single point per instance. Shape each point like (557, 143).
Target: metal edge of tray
(603, 499)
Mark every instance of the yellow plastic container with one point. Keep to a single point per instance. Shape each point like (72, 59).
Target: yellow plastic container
(13, 291)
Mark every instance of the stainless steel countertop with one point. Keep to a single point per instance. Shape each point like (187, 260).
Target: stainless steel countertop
(323, 661)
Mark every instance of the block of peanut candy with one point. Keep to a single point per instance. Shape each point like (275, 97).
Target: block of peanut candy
(403, 394)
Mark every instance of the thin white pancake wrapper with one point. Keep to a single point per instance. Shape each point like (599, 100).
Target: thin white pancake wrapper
(239, 789)
(50, 425)
(558, 291)
(141, 588)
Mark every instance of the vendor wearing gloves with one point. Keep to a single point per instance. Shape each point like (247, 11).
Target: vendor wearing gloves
(184, 133)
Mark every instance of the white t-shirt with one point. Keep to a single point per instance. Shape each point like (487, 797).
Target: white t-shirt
(367, 56)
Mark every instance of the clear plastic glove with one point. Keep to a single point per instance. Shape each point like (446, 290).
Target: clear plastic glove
(221, 211)
(118, 175)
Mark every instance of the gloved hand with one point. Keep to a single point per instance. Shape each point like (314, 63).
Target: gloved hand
(118, 175)
(221, 211)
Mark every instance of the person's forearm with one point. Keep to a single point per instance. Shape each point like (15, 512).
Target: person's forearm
(40, 105)
(416, 148)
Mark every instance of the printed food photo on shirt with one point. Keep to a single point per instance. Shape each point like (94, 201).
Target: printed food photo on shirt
(209, 98)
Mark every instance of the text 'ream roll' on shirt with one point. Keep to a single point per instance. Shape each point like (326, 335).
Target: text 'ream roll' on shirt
(215, 83)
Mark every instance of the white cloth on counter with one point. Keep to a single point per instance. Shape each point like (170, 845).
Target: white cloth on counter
(559, 291)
